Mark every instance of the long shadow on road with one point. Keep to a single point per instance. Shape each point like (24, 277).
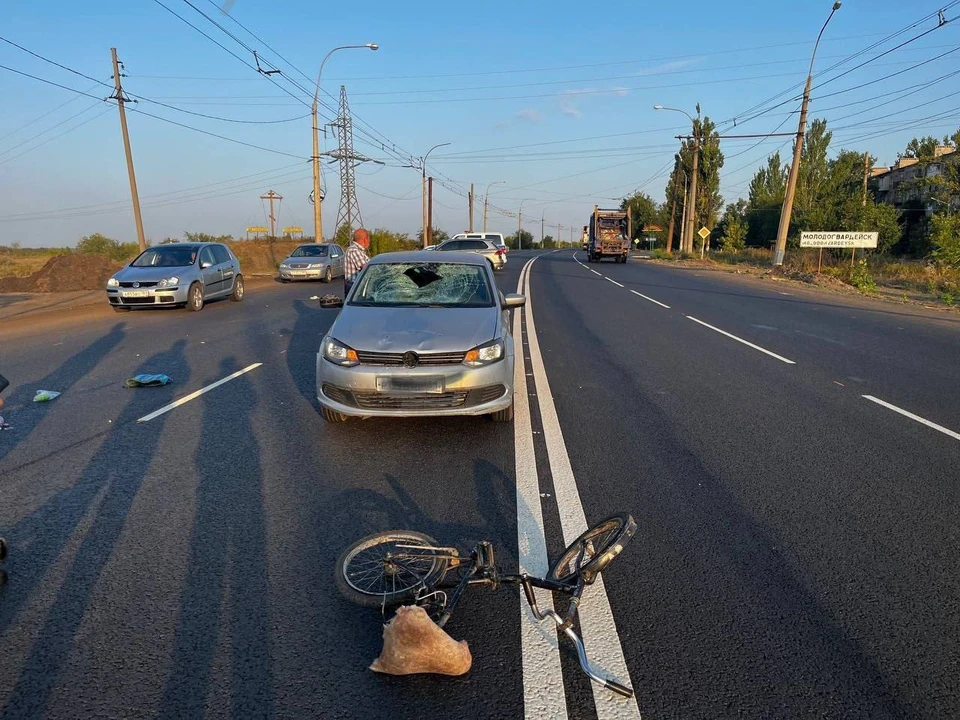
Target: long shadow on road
(227, 559)
(107, 483)
(30, 415)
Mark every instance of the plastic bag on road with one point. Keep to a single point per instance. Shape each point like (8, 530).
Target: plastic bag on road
(145, 380)
(413, 643)
(45, 395)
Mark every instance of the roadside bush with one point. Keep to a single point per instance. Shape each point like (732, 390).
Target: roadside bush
(861, 278)
(98, 244)
(945, 236)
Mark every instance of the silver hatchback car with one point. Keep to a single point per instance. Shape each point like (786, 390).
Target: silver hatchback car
(420, 335)
(177, 274)
(313, 261)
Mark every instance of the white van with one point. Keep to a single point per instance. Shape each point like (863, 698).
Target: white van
(491, 236)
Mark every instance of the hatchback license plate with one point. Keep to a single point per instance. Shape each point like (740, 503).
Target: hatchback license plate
(135, 293)
(410, 385)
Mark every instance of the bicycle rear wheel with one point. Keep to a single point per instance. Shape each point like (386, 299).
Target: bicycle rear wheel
(599, 545)
(370, 573)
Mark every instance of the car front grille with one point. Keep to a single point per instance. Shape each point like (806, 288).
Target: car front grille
(138, 301)
(300, 266)
(396, 359)
(418, 401)
(130, 284)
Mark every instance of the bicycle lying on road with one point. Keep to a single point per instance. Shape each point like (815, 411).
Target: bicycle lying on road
(402, 567)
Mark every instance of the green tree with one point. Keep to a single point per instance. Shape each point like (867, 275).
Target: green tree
(526, 237)
(765, 201)
(708, 201)
(945, 237)
(382, 241)
(643, 211)
(201, 237)
(437, 237)
(99, 244)
(732, 229)
(549, 242)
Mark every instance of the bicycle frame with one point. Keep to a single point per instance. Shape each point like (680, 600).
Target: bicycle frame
(483, 571)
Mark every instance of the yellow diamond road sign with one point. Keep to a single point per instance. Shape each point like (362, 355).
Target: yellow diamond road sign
(704, 233)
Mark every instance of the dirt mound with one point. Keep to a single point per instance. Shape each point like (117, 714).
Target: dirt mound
(65, 273)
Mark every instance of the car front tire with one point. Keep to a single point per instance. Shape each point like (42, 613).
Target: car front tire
(238, 289)
(505, 415)
(195, 298)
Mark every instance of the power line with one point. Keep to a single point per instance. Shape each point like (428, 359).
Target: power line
(50, 82)
(59, 135)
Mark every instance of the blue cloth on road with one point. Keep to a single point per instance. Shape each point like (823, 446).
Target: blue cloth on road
(146, 380)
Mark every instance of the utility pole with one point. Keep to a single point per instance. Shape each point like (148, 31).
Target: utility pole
(423, 201)
(866, 176)
(692, 215)
(484, 213)
(429, 234)
(559, 235)
(121, 99)
(781, 247)
(520, 228)
(271, 196)
(673, 205)
(686, 210)
(542, 236)
(471, 208)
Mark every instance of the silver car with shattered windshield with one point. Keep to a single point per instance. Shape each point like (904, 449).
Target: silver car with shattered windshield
(420, 335)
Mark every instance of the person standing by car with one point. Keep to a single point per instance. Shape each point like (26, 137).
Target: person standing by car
(355, 258)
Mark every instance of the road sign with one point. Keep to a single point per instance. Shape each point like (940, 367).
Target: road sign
(839, 239)
(704, 233)
(322, 196)
(256, 229)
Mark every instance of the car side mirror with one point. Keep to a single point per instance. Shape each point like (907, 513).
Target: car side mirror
(514, 300)
(205, 265)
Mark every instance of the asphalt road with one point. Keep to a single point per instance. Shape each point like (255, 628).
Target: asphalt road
(798, 552)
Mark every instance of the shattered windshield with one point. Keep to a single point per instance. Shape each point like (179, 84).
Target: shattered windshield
(423, 285)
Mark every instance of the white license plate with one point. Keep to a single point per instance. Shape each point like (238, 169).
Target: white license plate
(135, 293)
(410, 385)
(299, 273)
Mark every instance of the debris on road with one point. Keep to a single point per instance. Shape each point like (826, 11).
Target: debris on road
(5, 425)
(413, 643)
(146, 380)
(45, 395)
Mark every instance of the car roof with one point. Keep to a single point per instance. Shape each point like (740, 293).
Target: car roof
(412, 256)
(192, 246)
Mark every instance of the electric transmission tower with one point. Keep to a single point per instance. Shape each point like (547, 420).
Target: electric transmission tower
(349, 212)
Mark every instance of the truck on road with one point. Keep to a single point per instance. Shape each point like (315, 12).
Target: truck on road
(609, 235)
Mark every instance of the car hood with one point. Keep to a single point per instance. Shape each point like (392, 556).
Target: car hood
(419, 329)
(152, 274)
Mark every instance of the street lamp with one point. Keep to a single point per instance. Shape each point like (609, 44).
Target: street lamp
(495, 182)
(427, 212)
(520, 225)
(317, 217)
(686, 232)
(781, 247)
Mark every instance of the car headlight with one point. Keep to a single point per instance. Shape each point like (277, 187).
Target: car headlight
(316, 265)
(339, 354)
(484, 354)
(113, 282)
(169, 282)
(284, 266)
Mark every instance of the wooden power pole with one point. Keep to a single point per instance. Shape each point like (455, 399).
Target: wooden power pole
(121, 99)
(866, 176)
(271, 196)
(429, 211)
(471, 208)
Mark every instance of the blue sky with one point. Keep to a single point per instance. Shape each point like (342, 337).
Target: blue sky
(552, 98)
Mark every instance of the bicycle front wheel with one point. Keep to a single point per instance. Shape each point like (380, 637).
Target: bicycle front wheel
(599, 546)
(376, 571)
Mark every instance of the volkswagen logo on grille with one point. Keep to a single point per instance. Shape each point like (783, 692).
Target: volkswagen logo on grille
(411, 359)
(136, 284)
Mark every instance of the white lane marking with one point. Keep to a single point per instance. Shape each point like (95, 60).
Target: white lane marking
(596, 618)
(613, 281)
(655, 302)
(594, 271)
(544, 695)
(198, 393)
(905, 413)
(741, 340)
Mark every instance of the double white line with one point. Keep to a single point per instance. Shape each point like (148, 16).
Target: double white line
(543, 690)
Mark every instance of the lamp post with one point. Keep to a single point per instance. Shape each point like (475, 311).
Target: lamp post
(427, 231)
(781, 247)
(495, 182)
(520, 225)
(686, 233)
(317, 216)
